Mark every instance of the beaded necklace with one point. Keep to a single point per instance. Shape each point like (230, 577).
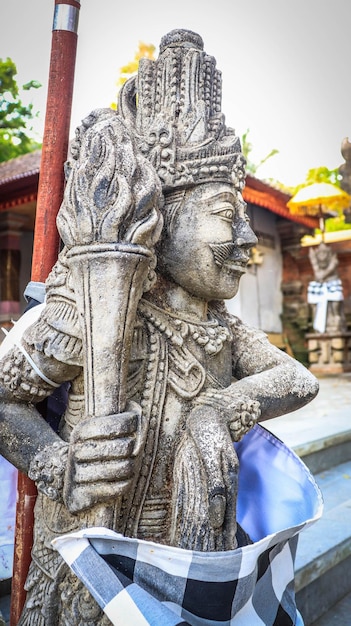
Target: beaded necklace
(210, 335)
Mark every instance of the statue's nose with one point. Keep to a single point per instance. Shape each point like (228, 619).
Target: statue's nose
(244, 235)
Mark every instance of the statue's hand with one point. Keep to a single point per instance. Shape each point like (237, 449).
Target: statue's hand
(47, 469)
(240, 412)
(206, 476)
(101, 458)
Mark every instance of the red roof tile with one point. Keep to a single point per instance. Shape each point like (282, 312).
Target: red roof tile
(20, 167)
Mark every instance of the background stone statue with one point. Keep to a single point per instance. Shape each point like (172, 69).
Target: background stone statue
(162, 379)
(325, 292)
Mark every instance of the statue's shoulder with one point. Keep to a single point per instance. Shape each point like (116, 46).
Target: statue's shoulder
(251, 348)
(56, 332)
(239, 329)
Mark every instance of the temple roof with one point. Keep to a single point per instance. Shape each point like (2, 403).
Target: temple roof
(19, 180)
(264, 195)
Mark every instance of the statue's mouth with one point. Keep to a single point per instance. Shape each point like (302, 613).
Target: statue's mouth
(237, 265)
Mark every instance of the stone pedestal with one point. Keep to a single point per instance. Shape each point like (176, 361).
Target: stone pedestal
(329, 353)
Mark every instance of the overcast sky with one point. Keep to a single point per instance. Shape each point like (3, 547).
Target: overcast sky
(286, 65)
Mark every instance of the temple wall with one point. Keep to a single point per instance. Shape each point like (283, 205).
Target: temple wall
(259, 300)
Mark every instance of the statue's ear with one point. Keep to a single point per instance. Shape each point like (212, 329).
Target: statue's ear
(127, 100)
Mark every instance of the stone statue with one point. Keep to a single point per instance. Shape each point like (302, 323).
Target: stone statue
(325, 293)
(345, 168)
(162, 379)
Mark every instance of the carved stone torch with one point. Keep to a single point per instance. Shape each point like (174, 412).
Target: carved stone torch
(109, 222)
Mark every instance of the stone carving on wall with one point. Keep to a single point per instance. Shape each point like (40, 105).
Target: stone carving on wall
(162, 379)
(325, 293)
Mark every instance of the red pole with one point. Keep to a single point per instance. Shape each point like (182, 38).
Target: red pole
(46, 238)
(56, 136)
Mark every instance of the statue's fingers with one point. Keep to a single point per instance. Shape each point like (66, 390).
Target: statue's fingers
(99, 473)
(82, 497)
(109, 427)
(90, 451)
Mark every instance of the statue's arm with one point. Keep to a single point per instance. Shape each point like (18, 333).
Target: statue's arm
(266, 374)
(262, 390)
(321, 274)
(313, 261)
(328, 272)
(23, 431)
(102, 449)
(268, 382)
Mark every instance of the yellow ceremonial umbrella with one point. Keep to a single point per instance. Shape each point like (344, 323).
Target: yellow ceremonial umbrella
(319, 200)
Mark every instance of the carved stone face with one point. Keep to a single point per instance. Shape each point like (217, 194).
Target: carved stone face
(323, 254)
(205, 248)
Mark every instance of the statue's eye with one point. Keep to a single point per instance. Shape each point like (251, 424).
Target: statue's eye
(226, 213)
(229, 214)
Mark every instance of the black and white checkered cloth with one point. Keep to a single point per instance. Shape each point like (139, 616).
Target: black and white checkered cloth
(330, 291)
(320, 294)
(140, 583)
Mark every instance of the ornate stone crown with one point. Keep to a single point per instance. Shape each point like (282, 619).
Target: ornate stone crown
(174, 108)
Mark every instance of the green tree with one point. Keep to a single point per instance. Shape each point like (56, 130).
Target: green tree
(15, 116)
(321, 174)
(246, 147)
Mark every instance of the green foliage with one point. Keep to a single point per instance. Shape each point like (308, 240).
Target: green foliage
(336, 223)
(320, 174)
(15, 116)
(246, 147)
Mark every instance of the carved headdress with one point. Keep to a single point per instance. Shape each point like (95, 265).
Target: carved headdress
(174, 108)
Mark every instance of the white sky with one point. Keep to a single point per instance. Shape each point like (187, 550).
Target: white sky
(286, 65)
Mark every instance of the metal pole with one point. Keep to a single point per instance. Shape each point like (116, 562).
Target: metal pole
(46, 239)
(56, 136)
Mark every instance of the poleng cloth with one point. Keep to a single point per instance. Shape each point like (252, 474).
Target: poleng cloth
(320, 294)
(141, 583)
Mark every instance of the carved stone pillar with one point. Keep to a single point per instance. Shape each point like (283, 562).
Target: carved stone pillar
(11, 225)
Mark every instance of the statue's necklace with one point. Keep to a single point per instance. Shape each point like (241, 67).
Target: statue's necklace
(209, 335)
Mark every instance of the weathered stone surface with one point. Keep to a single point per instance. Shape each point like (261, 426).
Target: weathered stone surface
(329, 354)
(162, 378)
